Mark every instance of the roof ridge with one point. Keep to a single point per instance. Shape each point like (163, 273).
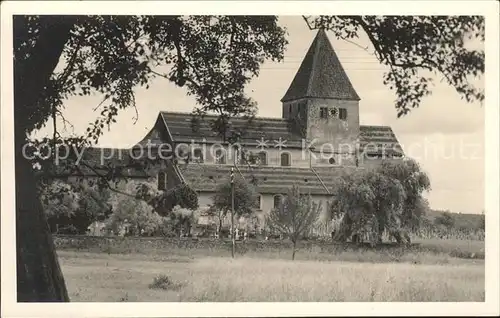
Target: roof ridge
(235, 117)
(314, 62)
(108, 148)
(375, 126)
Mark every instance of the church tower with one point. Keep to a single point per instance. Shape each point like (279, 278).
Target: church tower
(322, 102)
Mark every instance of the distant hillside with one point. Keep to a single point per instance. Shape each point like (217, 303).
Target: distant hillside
(461, 220)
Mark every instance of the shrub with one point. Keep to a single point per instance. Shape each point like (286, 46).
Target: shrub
(182, 196)
(164, 282)
(133, 215)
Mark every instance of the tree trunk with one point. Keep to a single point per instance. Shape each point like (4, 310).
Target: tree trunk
(380, 232)
(220, 228)
(39, 277)
(294, 249)
(402, 237)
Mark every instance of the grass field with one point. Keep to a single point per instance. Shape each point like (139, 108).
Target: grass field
(200, 275)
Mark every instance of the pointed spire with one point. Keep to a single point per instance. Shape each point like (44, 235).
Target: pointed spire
(321, 75)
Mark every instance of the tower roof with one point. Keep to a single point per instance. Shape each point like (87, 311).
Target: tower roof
(321, 75)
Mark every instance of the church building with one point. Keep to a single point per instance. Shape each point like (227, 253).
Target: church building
(317, 139)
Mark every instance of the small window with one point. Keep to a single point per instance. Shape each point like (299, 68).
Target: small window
(397, 155)
(285, 159)
(262, 158)
(323, 112)
(374, 155)
(238, 155)
(258, 202)
(220, 157)
(278, 200)
(162, 181)
(198, 155)
(343, 113)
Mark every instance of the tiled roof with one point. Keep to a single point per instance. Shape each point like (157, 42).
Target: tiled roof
(154, 136)
(272, 180)
(182, 129)
(379, 136)
(321, 75)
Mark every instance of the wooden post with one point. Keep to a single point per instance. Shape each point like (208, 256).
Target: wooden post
(232, 213)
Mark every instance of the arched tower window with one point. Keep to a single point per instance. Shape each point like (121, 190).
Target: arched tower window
(285, 159)
(277, 201)
(198, 155)
(220, 157)
(262, 158)
(162, 181)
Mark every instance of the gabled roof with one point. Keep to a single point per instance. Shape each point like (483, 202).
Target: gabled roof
(182, 129)
(321, 75)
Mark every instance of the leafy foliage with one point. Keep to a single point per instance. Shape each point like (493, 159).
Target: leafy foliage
(212, 56)
(482, 222)
(183, 196)
(415, 47)
(369, 203)
(164, 282)
(133, 215)
(183, 219)
(388, 198)
(71, 207)
(295, 216)
(164, 202)
(59, 199)
(414, 181)
(445, 219)
(245, 198)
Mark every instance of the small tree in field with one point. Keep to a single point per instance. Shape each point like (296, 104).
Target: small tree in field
(245, 197)
(294, 217)
(183, 219)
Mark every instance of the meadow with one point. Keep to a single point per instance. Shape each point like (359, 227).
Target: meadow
(142, 270)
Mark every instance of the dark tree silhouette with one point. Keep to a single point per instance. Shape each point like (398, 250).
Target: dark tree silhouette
(213, 57)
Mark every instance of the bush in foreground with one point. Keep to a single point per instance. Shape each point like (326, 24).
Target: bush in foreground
(164, 282)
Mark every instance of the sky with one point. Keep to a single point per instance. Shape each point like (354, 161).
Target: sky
(445, 134)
